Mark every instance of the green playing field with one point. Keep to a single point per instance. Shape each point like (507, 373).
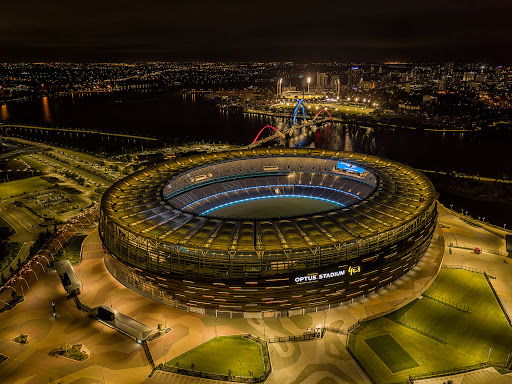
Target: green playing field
(480, 335)
(391, 353)
(225, 354)
(273, 207)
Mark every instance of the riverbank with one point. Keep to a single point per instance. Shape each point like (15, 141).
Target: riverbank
(333, 111)
(482, 199)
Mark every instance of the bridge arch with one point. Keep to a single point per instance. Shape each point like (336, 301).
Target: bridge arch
(322, 110)
(299, 104)
(261, 130)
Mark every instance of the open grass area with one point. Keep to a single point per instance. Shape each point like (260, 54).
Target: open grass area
(223, 355)
(391, 353)
(18, 187)
(71, 250)
(273, 207)
(34, 163)
(84, 156)
(10, 254)
(313, 108)
(468, 335)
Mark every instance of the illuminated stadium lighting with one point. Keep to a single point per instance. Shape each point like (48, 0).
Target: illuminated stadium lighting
(273, 186)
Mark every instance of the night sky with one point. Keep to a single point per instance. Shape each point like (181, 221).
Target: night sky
(112, 30)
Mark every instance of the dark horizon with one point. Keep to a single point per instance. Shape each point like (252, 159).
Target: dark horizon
(132, 31)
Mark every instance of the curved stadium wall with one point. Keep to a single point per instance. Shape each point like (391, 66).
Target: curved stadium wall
(166, 239)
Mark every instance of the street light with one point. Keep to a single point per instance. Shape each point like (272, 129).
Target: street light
(309, 81)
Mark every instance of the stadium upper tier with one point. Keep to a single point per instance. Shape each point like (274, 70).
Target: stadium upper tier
(164, 203)
(244, 180)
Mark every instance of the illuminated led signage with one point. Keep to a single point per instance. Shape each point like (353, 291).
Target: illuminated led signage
(320, 276)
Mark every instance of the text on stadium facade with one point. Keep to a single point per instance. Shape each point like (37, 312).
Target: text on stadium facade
(328, 275)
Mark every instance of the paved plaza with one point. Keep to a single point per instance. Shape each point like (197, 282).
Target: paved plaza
(114, 358)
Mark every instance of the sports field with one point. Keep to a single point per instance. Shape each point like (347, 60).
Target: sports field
(273, 207)
(468, 336)
(315, 107)
(223, 354)
(17, 187)
(391, 353)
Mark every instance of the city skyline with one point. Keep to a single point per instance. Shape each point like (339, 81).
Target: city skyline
(370, 31)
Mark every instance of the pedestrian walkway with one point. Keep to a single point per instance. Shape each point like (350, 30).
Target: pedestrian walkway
(482, 376)
(174, 378)
(92, 248)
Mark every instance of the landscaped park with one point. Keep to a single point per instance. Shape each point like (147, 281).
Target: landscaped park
(456, 323)
(18, 187)
(226, 355)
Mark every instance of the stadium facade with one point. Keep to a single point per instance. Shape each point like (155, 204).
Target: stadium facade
(168, 237)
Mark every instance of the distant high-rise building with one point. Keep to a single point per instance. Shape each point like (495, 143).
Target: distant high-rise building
(468, 76)
(448, 69)
(335, 80)
(354, 77)
(322, 79)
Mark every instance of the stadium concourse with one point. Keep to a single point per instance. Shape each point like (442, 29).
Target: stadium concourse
(173, 231)
(116, 359)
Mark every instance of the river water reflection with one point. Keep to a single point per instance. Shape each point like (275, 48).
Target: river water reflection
(182, 117)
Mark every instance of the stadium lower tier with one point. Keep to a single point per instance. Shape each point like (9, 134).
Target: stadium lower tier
(319, 287)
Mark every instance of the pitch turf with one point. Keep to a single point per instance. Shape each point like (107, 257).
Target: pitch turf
(391, 353)
(273, 207)
(468, 335)
(18, 187)
(223, 354)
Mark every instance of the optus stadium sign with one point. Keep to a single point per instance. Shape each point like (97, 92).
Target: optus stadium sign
(320, 276)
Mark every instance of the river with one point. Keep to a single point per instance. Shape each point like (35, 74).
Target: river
(188, 117)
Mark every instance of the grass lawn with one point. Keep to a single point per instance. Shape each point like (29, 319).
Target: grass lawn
(34, 163)
(71, 251)
(12, 251)
(332, 108)
(17, 187)
(84, 156)
(221, 354)
(391, 353)
(468, 335)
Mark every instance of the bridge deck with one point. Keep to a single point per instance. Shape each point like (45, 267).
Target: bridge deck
(287, 132)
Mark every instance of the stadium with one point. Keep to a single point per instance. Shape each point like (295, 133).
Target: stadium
(279, 230)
